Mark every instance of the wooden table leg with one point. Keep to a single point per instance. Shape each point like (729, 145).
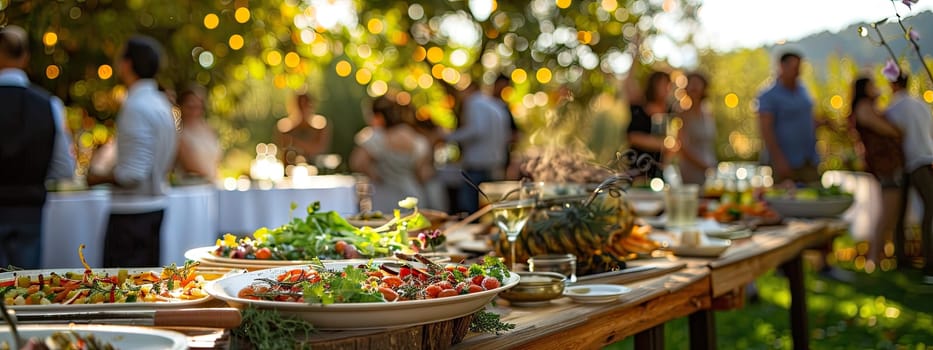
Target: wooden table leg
(900, 234)
(793, 269)
(651, 338)
(702, 330)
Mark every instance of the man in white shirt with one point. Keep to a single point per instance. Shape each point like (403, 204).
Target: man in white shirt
(915, 122)
(483, 138)
(33, 147)
(146, 145)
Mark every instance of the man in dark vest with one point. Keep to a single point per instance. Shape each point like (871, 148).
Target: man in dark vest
(33, 148)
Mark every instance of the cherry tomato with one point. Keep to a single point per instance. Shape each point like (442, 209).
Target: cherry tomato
(247, 293)
(478, 279)
(476, 288)
(340, 246)
(447, 293)
(388, 294)
(445, 285)
(432, 290)
(491, 283)
(263, 253)
(392, 281)
(463, 269)
(404, 272)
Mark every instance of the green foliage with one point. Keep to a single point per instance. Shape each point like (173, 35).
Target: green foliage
(268, 330)
(335, 287)
(249, 60)
(488, 322)
(882, 310)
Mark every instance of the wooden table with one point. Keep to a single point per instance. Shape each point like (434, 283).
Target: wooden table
(564, 324)
(769, 248)
(679, 287)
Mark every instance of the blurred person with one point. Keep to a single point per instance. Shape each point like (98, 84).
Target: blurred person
(303, 134)
(697, 137)
(643, 134)
(435, 188)
(198, 147)
(912, 118)
(146, 149)
(787, 127)
(34, 143)
(883, 158)
(483, 135)
(502, 82)
(397, 160)
(785, 118)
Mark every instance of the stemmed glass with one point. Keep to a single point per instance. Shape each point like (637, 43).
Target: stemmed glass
(512, 212)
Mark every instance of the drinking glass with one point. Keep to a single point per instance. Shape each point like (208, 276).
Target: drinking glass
(565, 264)
(511, 213)
(682, 204)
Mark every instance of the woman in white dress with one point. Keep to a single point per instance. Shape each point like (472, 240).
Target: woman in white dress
(698, 135)
(198, 148)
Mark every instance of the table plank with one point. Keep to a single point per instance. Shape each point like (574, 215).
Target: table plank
(766, 250)
(565, 324)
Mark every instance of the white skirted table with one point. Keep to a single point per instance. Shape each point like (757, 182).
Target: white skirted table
(70, 219)
(242, 212)
(74, 218)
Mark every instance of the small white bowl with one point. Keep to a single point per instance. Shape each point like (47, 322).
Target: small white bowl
(595, 293)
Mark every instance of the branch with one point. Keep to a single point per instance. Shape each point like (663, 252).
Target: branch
(912, 42)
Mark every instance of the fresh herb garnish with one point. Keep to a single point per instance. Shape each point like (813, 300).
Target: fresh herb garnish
(342, 287)
(488, 322)
(267, 329)
(495, 268)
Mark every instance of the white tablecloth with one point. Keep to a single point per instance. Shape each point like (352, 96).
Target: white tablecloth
(242, 212)
(70, 219)
(74, 218)
(190, 221)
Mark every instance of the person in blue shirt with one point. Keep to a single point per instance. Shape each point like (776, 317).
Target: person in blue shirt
(785, 113)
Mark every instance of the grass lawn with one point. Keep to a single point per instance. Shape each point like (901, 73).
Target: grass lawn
(886, 309)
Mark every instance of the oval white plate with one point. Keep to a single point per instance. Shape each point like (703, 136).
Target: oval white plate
(121, 337)
(595, 293)
(710, 248)
(203, 254)
(174, 304)
(357, 315)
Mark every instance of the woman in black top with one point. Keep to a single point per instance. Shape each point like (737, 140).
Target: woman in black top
(642, 137)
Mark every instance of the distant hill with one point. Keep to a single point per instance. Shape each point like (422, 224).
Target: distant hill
(817, 47)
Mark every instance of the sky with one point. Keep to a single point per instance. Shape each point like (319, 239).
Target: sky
(729, 24)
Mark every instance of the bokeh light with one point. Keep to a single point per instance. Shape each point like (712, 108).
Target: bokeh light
(105, 71)
(52, 71)
(928, 96)
(206, 59)
(731, 100)
(420, 54)
(236, 41)
(543, 75)
(363, 76)
(375, 26)
(519, 76)
(435, 54)
(292, 60)
(50, 39)
(563, 3)
(836, 101)
(242, 15)
(211, 21)
(343, 68)
(378, 88)
(273, 58)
